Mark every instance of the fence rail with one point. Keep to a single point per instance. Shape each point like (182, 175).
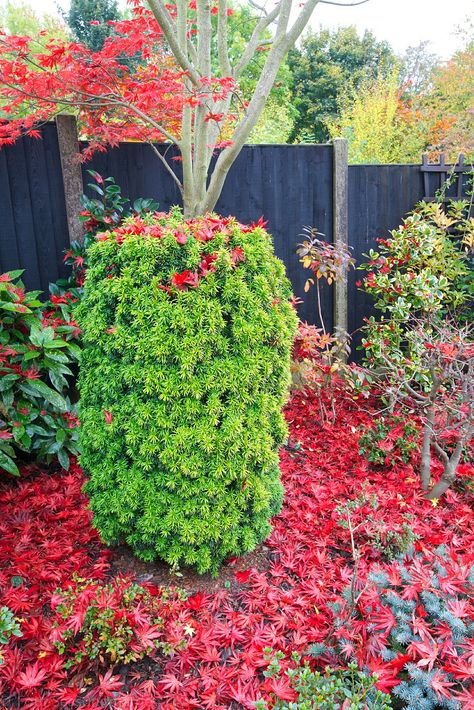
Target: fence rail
(292, 186)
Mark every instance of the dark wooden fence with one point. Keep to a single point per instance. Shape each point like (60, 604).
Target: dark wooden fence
(292, 186)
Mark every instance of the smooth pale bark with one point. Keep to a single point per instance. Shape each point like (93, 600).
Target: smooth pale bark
(200, 188)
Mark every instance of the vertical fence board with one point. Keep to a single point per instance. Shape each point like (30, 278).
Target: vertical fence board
(59, 235)
(9, 253)
(41, 211)
(20, 190)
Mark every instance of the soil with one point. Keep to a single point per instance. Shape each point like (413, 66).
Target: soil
(159, 573)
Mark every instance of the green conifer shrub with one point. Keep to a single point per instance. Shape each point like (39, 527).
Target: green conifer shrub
(187, 330)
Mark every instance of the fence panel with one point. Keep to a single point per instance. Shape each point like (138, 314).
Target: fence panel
(291, 186)
(379, 197)
(33, 226)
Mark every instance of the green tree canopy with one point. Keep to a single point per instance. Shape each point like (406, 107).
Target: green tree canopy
(20, 18)
(80, 15)
(326, 67)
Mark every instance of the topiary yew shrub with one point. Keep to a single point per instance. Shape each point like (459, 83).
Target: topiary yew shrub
(187, 330)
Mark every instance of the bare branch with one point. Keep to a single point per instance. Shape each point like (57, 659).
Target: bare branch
(147, 119)
(167, 166)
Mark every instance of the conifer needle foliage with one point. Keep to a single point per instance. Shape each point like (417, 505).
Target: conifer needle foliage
(187, 330)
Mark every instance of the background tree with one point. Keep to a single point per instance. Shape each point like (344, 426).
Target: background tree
(89, 21)
(20, 18)
(416, 70)
(327, 66)
(379, 126)
(449, 107)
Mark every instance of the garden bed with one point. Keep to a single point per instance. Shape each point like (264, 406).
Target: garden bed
(280, 596)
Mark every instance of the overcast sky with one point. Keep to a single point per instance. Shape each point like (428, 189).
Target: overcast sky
(401, 22)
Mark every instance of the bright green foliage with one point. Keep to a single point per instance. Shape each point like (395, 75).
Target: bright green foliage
(9, 627)
(18, 17)
(187, 330)
(334, 688)
(276, 120)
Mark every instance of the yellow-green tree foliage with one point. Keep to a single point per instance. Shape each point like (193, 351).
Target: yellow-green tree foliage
(378, 126)
(21, 18)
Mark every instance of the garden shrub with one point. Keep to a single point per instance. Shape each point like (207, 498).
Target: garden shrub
(187, 330)
(36, 352)
(392, 439)
(372, 531)
(106, 210)
(9, 626)
(309, 689)
(418, 273)
(112, 623)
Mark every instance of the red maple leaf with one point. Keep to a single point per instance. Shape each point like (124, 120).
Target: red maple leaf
(108, 685)
(32, 676)
(243, 576)
(108, 416)
(184, 279)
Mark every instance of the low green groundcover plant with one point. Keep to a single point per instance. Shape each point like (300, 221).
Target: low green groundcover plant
(9, 626)
(187, 330)
(301, 688)
(119, 622)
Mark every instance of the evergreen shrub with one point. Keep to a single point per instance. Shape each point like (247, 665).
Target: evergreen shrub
(187, 330)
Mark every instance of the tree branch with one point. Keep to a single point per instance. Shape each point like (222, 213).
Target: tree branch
(167, 166)
(254, 41)
(282, 42)
(441, 452)
(201, 126)
(168, 28)
(301, 22)
(222, 41)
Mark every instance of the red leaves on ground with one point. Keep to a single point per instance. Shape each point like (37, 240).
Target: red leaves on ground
(46, 537)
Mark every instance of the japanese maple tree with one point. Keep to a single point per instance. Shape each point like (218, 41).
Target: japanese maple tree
(156, 79)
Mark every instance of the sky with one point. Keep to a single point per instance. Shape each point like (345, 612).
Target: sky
(402, 23)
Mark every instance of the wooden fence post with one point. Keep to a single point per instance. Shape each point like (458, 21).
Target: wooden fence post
(72, 173)
(340, 225)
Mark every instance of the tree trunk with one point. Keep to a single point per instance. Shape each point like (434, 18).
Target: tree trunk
(425, 469)
(449, 473)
